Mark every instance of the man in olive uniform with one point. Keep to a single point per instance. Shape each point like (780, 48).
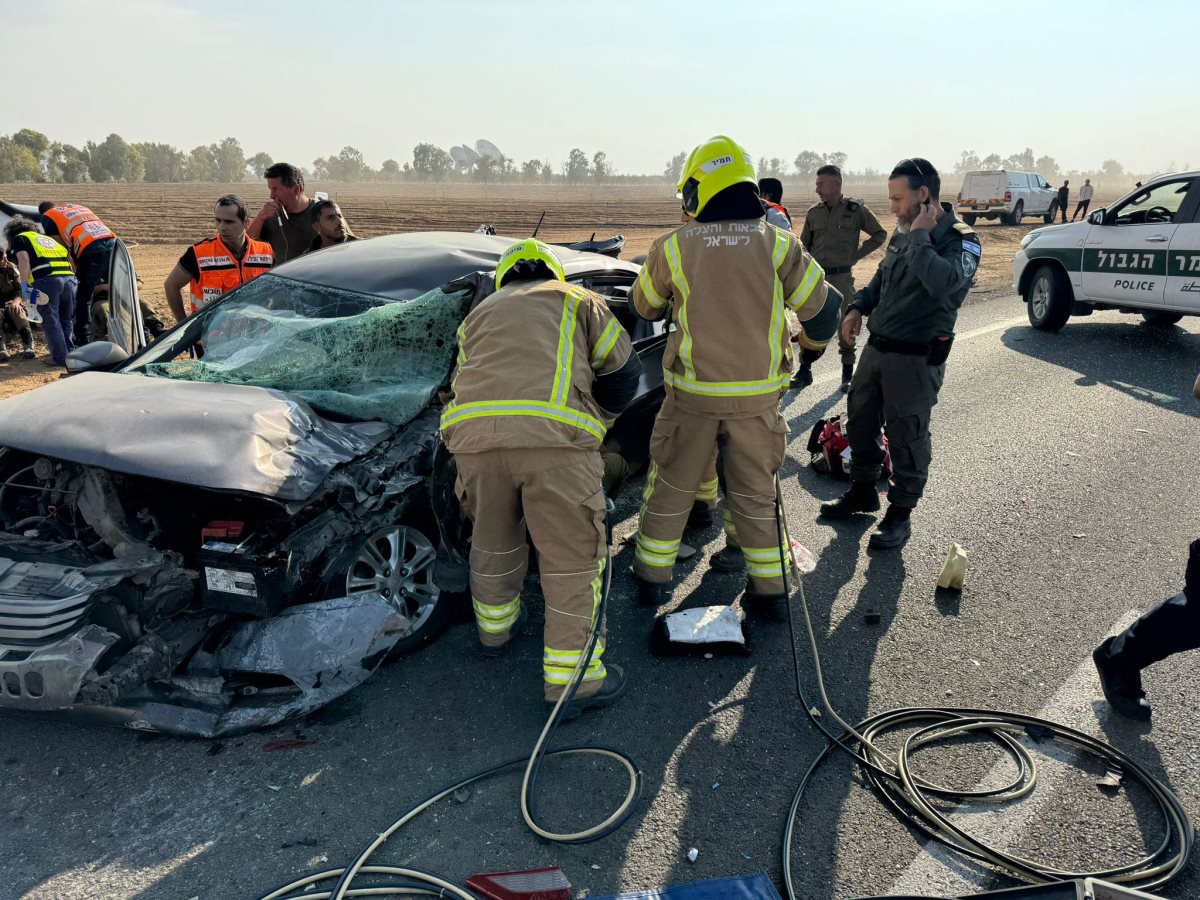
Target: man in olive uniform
(912, 304)
(831, 232)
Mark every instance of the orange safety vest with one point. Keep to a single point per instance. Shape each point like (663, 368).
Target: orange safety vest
(78, 226)
(220, 271)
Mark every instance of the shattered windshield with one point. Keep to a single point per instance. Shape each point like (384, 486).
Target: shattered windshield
(353, 355)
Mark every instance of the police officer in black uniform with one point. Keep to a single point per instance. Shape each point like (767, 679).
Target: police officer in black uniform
(911, 305)
(1171, 627)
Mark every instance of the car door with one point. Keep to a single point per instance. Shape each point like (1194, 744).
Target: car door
(1183, 257)
(1045, 195)
(125, 326)
(1125, 258)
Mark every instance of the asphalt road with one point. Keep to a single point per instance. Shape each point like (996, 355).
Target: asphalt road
(1066, 464)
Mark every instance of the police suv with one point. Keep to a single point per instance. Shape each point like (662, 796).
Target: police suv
(1140, 255)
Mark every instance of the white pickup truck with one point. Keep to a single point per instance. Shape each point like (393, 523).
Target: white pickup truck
(1007, 196)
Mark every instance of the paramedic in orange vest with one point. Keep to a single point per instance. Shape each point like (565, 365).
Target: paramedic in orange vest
(90, 243)
(215, 267)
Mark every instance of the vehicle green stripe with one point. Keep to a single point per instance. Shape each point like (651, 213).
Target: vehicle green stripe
(1071, 258)
(1126, 262)
(1182, 262)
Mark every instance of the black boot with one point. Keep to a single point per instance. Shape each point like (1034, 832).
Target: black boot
(700, 517)
(861, 498)
(727, 559)
(803, 377)
(894, 530)
(766, 606)
(1122, 685)
(652, 593)
(847, 375)
(611, 690)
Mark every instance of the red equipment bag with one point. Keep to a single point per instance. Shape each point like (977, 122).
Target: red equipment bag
(830, 448)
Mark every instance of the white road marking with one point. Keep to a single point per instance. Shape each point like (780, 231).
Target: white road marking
(939, 870)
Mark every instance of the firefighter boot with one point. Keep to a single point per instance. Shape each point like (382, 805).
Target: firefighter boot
(1122, 685)
(861, 498)
(610, 692)
(847, 376)
(768, 606)
(803, 377)
(701, 516)
(652, 593)
(894, 530)
(727, 559)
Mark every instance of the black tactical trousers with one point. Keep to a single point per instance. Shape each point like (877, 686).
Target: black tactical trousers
(895, 392)
(1171, 627)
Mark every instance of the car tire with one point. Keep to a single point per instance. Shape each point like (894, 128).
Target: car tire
(1017, 214)
(1048, 218)
(1048, 299)
(969, 219)
(398, 562)
(1161, 319)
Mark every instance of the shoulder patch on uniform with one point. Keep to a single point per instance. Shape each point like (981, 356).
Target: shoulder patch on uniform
(853, 205)
(972, 247)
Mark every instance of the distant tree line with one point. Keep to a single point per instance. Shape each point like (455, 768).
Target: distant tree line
(29, 155)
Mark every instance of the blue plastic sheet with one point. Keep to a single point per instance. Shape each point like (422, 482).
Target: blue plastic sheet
(734, 887)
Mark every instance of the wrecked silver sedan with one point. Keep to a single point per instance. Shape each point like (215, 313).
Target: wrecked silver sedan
(239, 523)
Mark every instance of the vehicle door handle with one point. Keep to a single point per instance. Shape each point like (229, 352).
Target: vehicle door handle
(1158, 238)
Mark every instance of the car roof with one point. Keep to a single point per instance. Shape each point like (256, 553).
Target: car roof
(404, 266)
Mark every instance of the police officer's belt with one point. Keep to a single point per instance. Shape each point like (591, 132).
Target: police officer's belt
(839, 270)
(887, 345)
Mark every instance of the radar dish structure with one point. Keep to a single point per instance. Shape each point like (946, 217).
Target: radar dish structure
(490, 150)
(464, 157)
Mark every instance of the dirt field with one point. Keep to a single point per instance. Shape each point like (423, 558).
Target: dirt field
(161, 220)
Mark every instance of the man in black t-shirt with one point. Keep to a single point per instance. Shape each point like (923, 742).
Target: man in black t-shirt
(286, 220)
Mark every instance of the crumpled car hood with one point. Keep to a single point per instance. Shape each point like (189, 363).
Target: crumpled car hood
(224, 437)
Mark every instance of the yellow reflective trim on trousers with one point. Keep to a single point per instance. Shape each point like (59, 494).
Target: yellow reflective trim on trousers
(763, 554)
(462, 412)
(762, 570)
(496, 618)
(557, 675)
(608, 340)
(726, 388)
(782, 243)
(648, 490)
(800, 296)
(685, 290)
(652, 296)
(708, 490)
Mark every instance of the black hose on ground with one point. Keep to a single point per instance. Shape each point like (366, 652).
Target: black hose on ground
(911, 797)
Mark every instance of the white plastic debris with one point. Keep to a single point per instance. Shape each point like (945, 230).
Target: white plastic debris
(693, 855)
(705, 625)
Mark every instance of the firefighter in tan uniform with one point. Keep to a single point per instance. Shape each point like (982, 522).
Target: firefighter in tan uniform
(831, 234)
(542, 366)
(726, 280)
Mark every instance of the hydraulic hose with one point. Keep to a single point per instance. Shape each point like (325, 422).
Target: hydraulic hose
(415, 881)
(909, 796)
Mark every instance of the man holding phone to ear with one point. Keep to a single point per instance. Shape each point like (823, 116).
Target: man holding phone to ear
(912, 304)
(286, 220)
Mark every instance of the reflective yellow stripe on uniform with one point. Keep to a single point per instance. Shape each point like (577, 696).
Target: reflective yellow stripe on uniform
(801, 294)
(566, 350)
(778, 334)
(730, 528)
(558, 665)
(685, 290)
(660, 554)
(652, 296)
(708, 490)
(462, 412)
(496, 618)
(763, 562)
(726, 388)
(608, 340)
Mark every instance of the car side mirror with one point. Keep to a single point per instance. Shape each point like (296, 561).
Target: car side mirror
(1097, 218)
(98, 356)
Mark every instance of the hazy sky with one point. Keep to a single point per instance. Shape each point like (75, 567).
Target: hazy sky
(1081, 80)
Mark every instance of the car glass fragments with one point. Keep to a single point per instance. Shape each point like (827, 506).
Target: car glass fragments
(351, 355)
